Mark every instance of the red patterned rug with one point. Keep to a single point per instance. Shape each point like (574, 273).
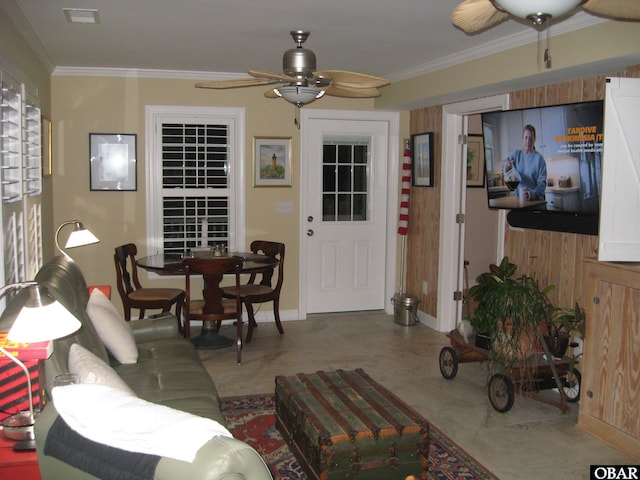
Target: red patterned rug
(251, 419)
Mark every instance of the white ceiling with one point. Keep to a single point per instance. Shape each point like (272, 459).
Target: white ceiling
(394, 39)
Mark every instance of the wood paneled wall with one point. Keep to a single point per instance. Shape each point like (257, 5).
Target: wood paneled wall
(423, 238)
(551, 257)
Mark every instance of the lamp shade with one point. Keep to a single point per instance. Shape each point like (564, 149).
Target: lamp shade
(42, 318)
(533, 8)
(80, 237)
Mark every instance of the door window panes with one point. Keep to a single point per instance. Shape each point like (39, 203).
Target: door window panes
(345, 179)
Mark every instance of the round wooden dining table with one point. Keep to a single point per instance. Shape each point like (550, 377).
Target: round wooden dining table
(171, 264)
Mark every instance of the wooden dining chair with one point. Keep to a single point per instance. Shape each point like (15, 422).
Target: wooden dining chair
(264, 291)
(134, 295)
(213, 307)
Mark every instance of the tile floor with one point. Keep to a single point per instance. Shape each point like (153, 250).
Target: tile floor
(534, 440)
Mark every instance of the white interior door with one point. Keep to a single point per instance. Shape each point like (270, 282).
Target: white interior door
(344, 217)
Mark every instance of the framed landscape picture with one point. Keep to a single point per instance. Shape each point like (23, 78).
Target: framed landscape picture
(475, 161)
(422, 160)
(272, 161)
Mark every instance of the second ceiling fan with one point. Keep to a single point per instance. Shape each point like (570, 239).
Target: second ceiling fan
(473, 16)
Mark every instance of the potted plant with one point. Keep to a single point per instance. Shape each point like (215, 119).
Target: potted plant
(483, 322)
(562, 325)
(510, 310)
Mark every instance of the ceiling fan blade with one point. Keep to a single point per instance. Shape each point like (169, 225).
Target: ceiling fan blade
(271, 94)
(236, 83)
(473, 16)
(272, 76)
(353, 79)
(620, 9)
(349, 92)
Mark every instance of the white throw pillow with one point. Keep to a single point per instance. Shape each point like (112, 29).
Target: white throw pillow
(112, 329)
(92, 369)
(111, 417)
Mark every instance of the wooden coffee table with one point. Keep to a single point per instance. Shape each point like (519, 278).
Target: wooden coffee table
(341, 424)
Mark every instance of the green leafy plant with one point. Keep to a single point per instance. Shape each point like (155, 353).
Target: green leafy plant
(564, 323)
(510, 309)
(570, 320)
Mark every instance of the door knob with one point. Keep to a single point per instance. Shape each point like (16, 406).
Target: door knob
(309, 219)
(310, 233)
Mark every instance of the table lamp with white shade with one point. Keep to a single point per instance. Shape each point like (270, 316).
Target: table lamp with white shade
(42, 318)
(79, 237)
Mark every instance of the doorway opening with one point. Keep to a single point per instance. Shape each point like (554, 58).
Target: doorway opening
(453, 180)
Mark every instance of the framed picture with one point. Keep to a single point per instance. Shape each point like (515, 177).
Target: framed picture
(475, 161)
(113, 161)
(272, 161)
(422, 160)
(45, 144)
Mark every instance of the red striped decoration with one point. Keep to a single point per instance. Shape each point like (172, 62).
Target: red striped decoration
(403, 221)
(14, 396)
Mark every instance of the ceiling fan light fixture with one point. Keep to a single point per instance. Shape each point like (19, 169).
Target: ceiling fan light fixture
(299, 96)
(538, 18)
(537, 11)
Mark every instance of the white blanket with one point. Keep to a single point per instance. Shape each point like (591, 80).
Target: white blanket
(112, 417)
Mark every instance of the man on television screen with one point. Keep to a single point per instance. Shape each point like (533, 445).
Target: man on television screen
(528, 167)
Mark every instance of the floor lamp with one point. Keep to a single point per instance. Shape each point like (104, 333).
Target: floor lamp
(78, 238)
(42, 318)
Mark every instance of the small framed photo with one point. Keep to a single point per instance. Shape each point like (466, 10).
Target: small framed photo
(45, 144)
(113, 161)
(475, 161)
(272, 161)
(422, 160)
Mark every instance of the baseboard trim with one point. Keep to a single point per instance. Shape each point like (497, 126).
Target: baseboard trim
(428, 320)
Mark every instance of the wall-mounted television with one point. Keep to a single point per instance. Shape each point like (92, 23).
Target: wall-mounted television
(545, 165)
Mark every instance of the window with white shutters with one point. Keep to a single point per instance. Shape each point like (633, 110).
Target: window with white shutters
(14, 259)
(34, 242)
(21, 181)
(193, 161)
(31, 150)
(11, 136)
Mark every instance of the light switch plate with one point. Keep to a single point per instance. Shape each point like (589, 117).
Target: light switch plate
(284, 207)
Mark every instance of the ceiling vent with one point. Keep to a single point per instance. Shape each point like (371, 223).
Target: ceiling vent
(81, 15)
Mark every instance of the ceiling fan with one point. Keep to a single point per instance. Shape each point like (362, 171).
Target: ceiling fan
(472, 16)
(300, 83)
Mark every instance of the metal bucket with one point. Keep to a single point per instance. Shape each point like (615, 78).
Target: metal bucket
(405, 309)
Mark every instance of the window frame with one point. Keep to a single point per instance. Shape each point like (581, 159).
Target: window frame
(235, 119)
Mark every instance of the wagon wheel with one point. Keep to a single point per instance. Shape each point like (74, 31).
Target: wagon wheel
(571, 385)
(448, 363)
(501, 393)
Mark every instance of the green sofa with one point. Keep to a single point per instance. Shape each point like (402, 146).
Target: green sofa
(168, 372)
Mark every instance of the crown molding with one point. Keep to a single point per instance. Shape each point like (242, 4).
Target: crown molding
(145, 73)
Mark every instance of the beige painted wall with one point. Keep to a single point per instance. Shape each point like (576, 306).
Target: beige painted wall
(82, 105)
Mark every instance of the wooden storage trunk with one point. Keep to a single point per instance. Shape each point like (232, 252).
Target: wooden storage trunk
(342, 424)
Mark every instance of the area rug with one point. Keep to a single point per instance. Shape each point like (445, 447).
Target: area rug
(251, 419)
